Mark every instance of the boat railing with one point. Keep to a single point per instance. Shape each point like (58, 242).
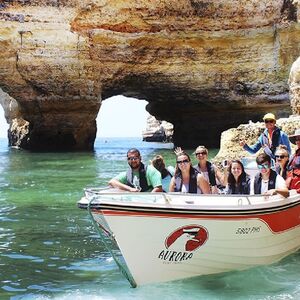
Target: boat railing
(109, 194)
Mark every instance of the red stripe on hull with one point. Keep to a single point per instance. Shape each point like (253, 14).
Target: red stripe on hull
(277, 221)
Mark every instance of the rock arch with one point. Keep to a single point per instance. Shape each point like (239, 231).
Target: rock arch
(204, 66)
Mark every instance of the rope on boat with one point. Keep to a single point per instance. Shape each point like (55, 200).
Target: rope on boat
(167, 199)
(240, 201)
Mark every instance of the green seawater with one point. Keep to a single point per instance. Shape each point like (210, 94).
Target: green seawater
(49, 248)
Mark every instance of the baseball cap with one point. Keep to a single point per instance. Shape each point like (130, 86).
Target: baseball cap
(269, 116)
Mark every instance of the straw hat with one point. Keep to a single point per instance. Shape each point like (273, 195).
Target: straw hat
(294, 136)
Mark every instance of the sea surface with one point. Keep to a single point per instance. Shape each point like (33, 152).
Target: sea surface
(49, 248)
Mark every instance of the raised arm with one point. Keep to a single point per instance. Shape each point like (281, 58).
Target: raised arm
(254, 148)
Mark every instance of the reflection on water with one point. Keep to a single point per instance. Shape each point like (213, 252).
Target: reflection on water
(50, 250)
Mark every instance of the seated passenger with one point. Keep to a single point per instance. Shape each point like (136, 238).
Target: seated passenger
(267, 181)
(293, 176)
(238, 181)
(282, 160)
(210, 172)
(138, 178)
(166, 173)
(186, 178)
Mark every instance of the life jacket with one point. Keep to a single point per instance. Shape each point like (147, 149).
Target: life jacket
(143, 179)
(192, 183)
(294, 162)
(275, 139)
(243, 188)
(294, 171)
(295, 180)
(271, 183)
(284, 173)
(210, 171)
(166, 173)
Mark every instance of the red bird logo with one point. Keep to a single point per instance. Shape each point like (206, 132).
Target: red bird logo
(187, 238)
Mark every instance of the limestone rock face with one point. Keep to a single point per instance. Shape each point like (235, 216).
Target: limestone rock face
(157, 131)
(204, 66)
(294, 82)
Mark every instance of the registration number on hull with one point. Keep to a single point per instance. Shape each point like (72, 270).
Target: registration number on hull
(248, 230)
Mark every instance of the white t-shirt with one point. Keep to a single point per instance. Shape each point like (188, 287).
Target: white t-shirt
(185, 188)
(205, 174)
(279, 184)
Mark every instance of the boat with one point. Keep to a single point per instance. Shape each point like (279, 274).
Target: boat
(159, 237)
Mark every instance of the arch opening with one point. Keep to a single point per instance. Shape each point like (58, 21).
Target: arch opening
(3, 124)
(121, 116)
(6, 108)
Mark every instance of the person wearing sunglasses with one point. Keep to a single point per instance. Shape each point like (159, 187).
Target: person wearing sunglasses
(270, 139)
(267, 181)
(186, 178)
(210, 171)
(138, 178)
(282, 160)
(293, 176)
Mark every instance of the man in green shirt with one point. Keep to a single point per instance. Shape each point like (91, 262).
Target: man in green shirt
(138, 178)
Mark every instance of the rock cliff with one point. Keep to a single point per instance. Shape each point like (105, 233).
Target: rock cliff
(157, 131)
(294, 83)
(204, 66)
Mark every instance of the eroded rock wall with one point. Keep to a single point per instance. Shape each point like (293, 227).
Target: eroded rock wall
(294, 83)
(158, 131)
(202, 65)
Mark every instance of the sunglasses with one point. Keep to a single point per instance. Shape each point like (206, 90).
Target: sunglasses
(185, 161)
(263, 166)
(269, 121)
(280, 156)
(134, 158)
(201, 153)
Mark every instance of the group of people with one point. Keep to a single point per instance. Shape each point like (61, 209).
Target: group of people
(278, 171)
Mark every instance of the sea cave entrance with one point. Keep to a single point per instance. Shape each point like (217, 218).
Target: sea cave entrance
(121, 116)
(3, 124)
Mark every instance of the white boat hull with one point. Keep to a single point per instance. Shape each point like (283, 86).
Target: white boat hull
(167, 240)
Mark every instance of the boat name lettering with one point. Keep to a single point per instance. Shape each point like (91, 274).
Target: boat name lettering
(181, 243)
(248, 230)
(167, 255)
